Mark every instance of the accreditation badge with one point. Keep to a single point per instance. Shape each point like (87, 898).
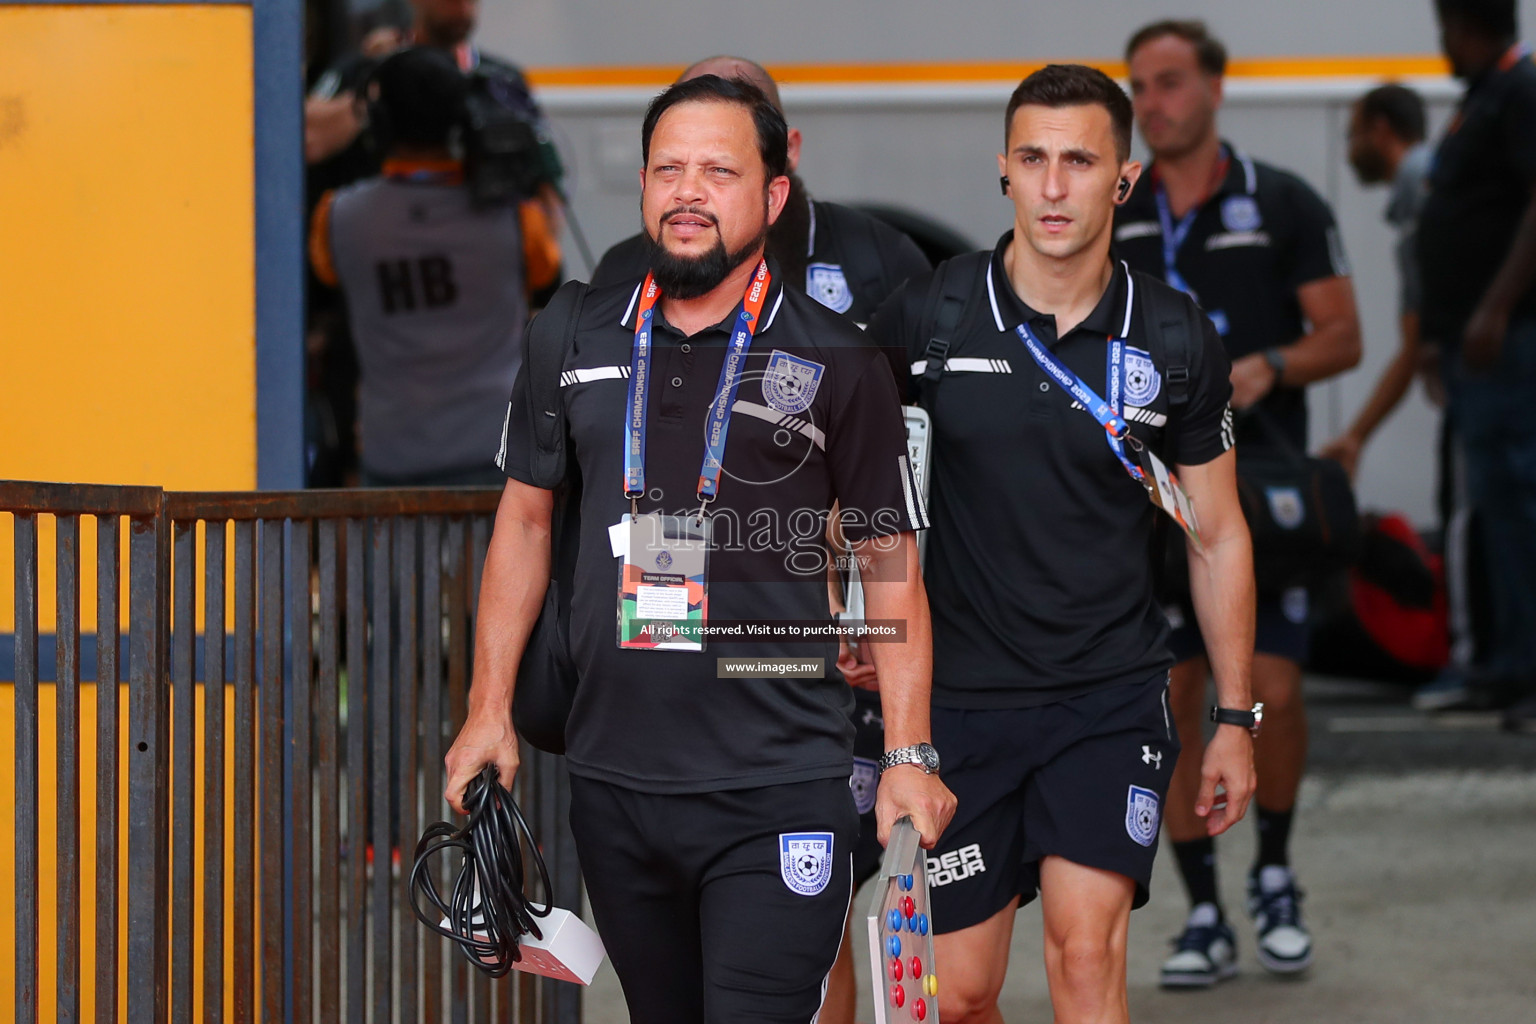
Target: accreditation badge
(663, 584)
(1165, 491)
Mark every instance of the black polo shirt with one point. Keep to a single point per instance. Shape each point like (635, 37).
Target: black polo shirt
(1039, 564)
(1260, 237)
(1480, 183)
(660, 721)
(855, 260)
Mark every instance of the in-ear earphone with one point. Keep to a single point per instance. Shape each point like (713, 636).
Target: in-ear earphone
(1125, 188)
(1004, 182)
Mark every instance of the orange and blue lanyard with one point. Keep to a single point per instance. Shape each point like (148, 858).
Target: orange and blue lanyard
(746, 322)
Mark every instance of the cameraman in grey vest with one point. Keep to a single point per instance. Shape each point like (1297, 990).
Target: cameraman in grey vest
(436, 285)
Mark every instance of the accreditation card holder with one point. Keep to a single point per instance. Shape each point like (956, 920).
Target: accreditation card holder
(663, 585)
(1165, 491)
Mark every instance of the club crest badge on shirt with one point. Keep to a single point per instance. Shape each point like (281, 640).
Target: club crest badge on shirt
(1142, 381)
(790, 383)
(828, 285)
(1241, 213)
(805, 861)
(1141, 815)
(1286, 506)
(865, 782)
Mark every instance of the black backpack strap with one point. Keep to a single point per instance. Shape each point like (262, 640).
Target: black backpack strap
(949, 295)
(858, 246)
(550, 338)
(1169, 315)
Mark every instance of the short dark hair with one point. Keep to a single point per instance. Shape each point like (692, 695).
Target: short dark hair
(1209, 52)
(422, 94)
(1399, 106)
(1499, 19)
(772, 132)
(1074, 85)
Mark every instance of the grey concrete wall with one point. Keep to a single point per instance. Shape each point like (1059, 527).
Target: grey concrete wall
(605, 32)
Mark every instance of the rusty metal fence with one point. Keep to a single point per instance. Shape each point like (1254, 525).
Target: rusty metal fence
(295, 668)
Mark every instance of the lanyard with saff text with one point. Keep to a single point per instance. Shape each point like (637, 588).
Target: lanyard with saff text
(1107, 412)
(744, 325)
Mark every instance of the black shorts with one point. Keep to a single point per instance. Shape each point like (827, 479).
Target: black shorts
(868, 745)
(718, 907)
(1281, 627)
(1083, 779)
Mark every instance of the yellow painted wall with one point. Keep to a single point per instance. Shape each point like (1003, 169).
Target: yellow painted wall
(127, 252)
(48, 854)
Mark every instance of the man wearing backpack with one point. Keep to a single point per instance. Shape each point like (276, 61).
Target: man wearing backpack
(1258, 249)
(1062, 387)
(713, 417)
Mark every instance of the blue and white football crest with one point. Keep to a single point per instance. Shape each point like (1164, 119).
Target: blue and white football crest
(1142, 381)
(790, 383)
(805, 861)
(864, 781)
(1141, 815)
(828, 285)
(1286, 506)
(1241, 213)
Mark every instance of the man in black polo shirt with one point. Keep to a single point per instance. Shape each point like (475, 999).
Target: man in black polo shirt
(849, 262)
(712, 816)
(1258, 250)
(843, 258)
(1477, 254)
(1050, 667)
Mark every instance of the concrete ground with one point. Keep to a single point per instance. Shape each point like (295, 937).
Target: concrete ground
(1416, 845)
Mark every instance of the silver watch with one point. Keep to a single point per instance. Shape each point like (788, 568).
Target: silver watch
(921, 754)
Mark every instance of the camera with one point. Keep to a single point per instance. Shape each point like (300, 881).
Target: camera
(506, 154)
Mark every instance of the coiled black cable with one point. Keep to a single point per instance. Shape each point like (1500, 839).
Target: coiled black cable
(487, 912)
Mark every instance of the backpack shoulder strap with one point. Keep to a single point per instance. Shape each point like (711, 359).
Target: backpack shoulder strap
(1169, 316)
(859, 249)
(550, 338)
(949, 295)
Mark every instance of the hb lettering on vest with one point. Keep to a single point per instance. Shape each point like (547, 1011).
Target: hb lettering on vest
(402, 281)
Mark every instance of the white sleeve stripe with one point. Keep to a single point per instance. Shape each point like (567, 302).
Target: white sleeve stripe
(917, 516)
(506, 427)
(590, 374)
(967, 364)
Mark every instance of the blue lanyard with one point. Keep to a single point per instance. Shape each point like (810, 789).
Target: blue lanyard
(1173, 237)
(1106, 412)
(748, 317)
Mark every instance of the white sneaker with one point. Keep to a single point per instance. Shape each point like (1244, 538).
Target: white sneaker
(1203, 954)
(1284, 945)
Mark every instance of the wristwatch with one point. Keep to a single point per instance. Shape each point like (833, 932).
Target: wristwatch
(1276, 360)
(1250, 720)
(921, 754)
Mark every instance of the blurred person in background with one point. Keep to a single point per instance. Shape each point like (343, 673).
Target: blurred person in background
(1258, 249)
(435, 285)
(340, 148)
(1477, 255)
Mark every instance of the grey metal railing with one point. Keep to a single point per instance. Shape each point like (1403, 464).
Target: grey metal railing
(340, 676)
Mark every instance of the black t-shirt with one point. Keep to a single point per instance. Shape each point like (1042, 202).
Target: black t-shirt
(1480, 184)
(1039, 566)
(660, 721)
(1259, 238)
(855, 261)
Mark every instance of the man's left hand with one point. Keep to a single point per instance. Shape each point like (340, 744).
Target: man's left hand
(1252, 379)
(1483, 341)
(906, 791)
(1228, 765)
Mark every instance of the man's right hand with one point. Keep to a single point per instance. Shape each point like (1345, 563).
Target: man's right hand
(487, 738)
(1345, 450)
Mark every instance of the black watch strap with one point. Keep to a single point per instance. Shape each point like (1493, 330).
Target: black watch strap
(1249, 719)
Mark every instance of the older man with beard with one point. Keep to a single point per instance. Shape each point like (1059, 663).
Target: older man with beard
(711, 806)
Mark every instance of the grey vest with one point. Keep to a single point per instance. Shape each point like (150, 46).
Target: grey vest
(435, 294)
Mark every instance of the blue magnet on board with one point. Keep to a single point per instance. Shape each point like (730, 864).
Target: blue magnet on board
(906, 883)
(922, 924)
(893, 944)
(893, 920)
